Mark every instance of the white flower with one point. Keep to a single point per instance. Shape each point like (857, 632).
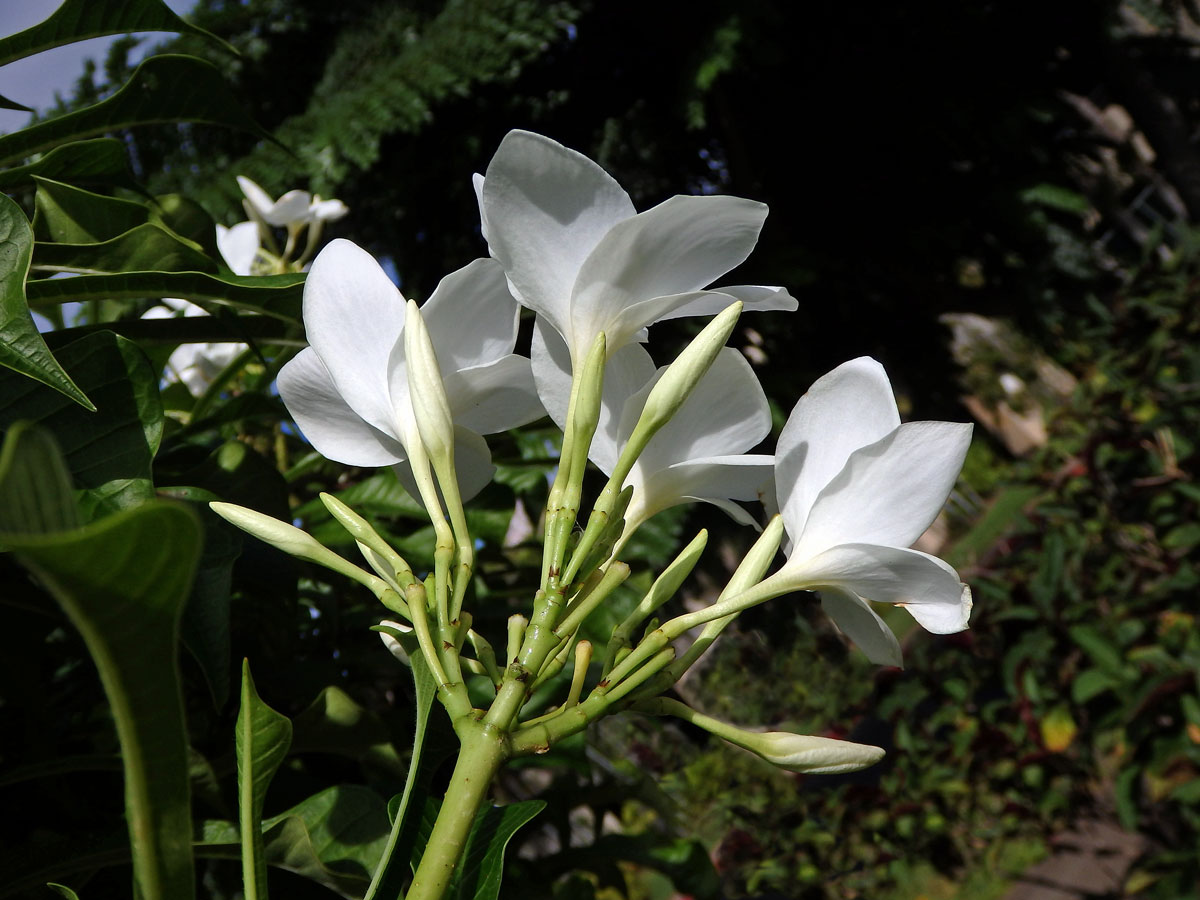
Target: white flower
(239, 246)
(197, 364)
(577, 253)
(856, 489)
(293, 209)
(348, 391)
(698, 454)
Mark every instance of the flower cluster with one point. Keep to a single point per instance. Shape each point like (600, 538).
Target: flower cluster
(387, 383)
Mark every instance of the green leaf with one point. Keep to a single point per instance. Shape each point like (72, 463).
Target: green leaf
(99, 161)
(122, 582)
(22, 348)
(1091, 683)
(189, 220)
(71, 215)
(146, 247)
(206, 615)
(261, 741)
(35, 485)
(1105, 654)
(63, 890)
(334, 723)
(273, 295)
(78, 20)
(167, 88)
(5, 103)
(483, 861)
(1056, 197)
(405, 810)
(108, 453)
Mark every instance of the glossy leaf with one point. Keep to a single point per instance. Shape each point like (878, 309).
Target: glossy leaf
(68, 214)
(99, 161)
(167, 88)
(78, 20)
(262, 738)
(405, 809)
(108, 453)
(22, 348)
(122, 582)
(146, 247)
(274, 295)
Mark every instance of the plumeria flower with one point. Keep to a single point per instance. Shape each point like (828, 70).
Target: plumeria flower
(856, 489)
(348, 391)
(699, 455)
(293, 209)
(578, 254)
(239, 246)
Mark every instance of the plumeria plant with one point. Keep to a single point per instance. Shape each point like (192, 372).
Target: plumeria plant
(385, 382)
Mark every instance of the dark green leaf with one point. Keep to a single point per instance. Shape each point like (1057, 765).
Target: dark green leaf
(483, 862)
(122, 581)
(64, 891)
(334, 723)
(5, 103)
(206, 615)
(189, 220)
(35, 485)
(108, 452)
(167, 88)
(274, 295)
(99, 161)
(262, 739)
(21, 347)
(78, 20)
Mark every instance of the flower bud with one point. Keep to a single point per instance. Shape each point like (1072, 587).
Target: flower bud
(426, 391)
(808, 753)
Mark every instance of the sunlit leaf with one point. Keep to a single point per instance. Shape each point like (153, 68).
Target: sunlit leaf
(22, 348)
(262, 738)
(482, 866)
(72, 215)
(334, 723)
(148, 246)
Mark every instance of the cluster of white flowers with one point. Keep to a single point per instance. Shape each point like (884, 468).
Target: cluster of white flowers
(855, 487)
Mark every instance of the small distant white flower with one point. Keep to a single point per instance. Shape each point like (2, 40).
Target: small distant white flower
(293, 209)
(239, 246)
(348, 391)
(856, 489)
(577, 252)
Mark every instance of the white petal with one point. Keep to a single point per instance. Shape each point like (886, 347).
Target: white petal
(238, 245)
(726, 413)
(545, 208)
(477, 184)
(925, 585)
(494, 398)
(678, 247)
(629, 324)
(551, 363)
(754, 297)
(472, 464)
(328, 423)
(848, 408)
(858, 622)
(471, 316)
(890, 491)
(292, 208)
(259, 199)
(713, 480)
(327, 210)
(354, 317)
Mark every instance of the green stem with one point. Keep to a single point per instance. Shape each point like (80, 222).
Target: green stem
(483, 752)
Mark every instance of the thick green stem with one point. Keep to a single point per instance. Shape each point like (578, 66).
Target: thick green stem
(483, 751)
